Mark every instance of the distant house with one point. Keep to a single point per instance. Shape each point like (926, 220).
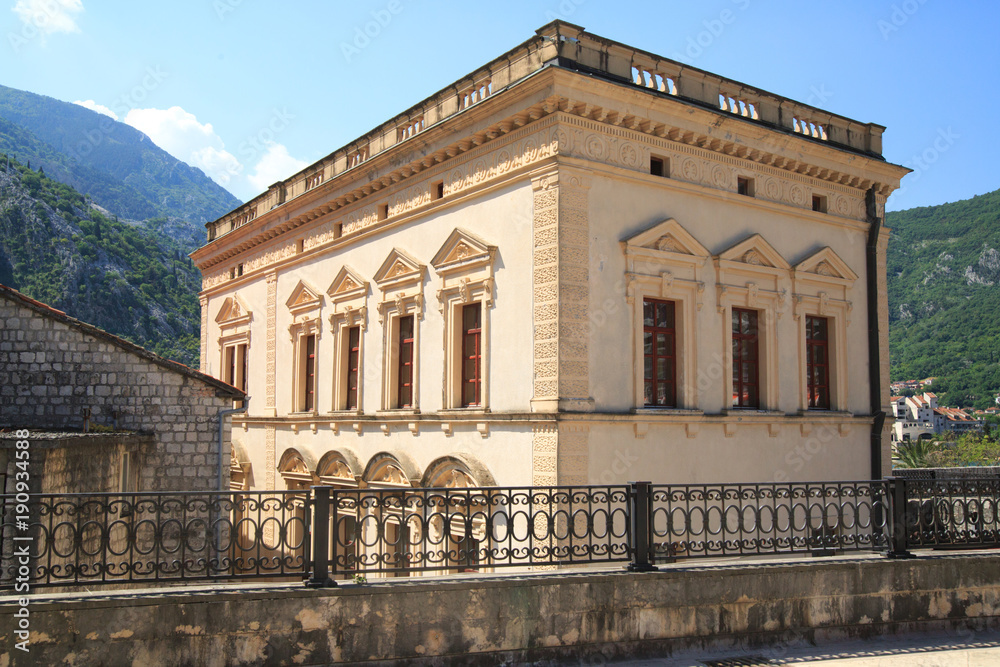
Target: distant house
(955, 420)
(920, 417)
(103, 414)
(906, 385)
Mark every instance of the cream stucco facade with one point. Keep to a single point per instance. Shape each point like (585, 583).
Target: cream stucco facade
(540, 203)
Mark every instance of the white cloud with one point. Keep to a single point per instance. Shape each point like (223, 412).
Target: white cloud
(179, 133)
(275, 165)
(49, 16)
(99, 108)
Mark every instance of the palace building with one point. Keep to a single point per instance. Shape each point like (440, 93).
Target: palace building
(580, 264)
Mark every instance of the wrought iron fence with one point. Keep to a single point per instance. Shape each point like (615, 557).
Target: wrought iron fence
(60, 540)
(398, 531)
(327, 533)
(952, 513)
(699, 521)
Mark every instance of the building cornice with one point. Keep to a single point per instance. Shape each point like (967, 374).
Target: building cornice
(412, 139)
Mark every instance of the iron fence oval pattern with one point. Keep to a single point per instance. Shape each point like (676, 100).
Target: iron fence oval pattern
(85, 539)
(748, 519)
(144, 537)
(389, 531)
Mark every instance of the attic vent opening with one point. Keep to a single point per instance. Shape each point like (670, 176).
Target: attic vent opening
(659, 166)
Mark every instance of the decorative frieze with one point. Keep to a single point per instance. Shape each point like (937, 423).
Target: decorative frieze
(271, 343)
(203, 359)
(561, 274)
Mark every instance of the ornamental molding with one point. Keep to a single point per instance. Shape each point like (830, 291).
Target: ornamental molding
(233, 313)
(560, 125)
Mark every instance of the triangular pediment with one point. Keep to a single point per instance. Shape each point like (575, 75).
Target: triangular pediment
(399, 266)
(303, 297)
(233, 310)
(462, 249)
(828, 264)
(668, 236)
(347, 284)
(755, 251)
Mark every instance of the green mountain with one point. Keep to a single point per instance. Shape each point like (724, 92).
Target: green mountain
(117, 166)
(130, 279)
(944, 298)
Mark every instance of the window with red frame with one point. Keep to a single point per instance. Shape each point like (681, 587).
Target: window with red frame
(746, 359)
(659, 344)
(404, 372)
(309, 374)
(818, 362)
(472, 332)
(353, 364)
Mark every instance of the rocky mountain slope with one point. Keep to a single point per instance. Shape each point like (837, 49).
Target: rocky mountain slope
(113, 163)
(944, 297)
(127, 278)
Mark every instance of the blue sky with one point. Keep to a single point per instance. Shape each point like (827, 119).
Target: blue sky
(251, 91)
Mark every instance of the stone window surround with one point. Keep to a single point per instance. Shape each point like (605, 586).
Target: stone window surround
(685, 295)
(349, 295)
(390, 353)
(234, 322)
(465, 264)
(305, 305)
(745, 263)
(452, 300)
(817, 282)
(658, 261)
(401, 281)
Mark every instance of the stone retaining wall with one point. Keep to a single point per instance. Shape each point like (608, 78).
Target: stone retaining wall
(587, 617)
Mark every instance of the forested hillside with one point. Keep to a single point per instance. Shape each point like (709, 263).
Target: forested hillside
(113, 163)
(128, 279)
(944, 298)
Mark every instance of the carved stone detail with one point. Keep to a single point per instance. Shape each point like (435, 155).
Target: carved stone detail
(271, 341)
(203, 361)
(561, 286)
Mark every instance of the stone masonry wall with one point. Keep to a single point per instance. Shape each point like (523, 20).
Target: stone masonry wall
(51, 372)
(492, 620)
(74, 463)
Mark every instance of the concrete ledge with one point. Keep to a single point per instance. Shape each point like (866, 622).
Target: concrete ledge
(489, 619)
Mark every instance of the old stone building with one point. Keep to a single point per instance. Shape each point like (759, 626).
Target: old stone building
(581, 263)
(151, 424)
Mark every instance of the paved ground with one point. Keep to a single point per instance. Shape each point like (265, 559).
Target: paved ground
(958, 649)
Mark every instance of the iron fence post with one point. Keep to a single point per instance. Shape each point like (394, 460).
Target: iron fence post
(320, 564)
(641, 501)
(897, 519)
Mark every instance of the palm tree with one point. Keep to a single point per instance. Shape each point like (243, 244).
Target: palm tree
(914, 454)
